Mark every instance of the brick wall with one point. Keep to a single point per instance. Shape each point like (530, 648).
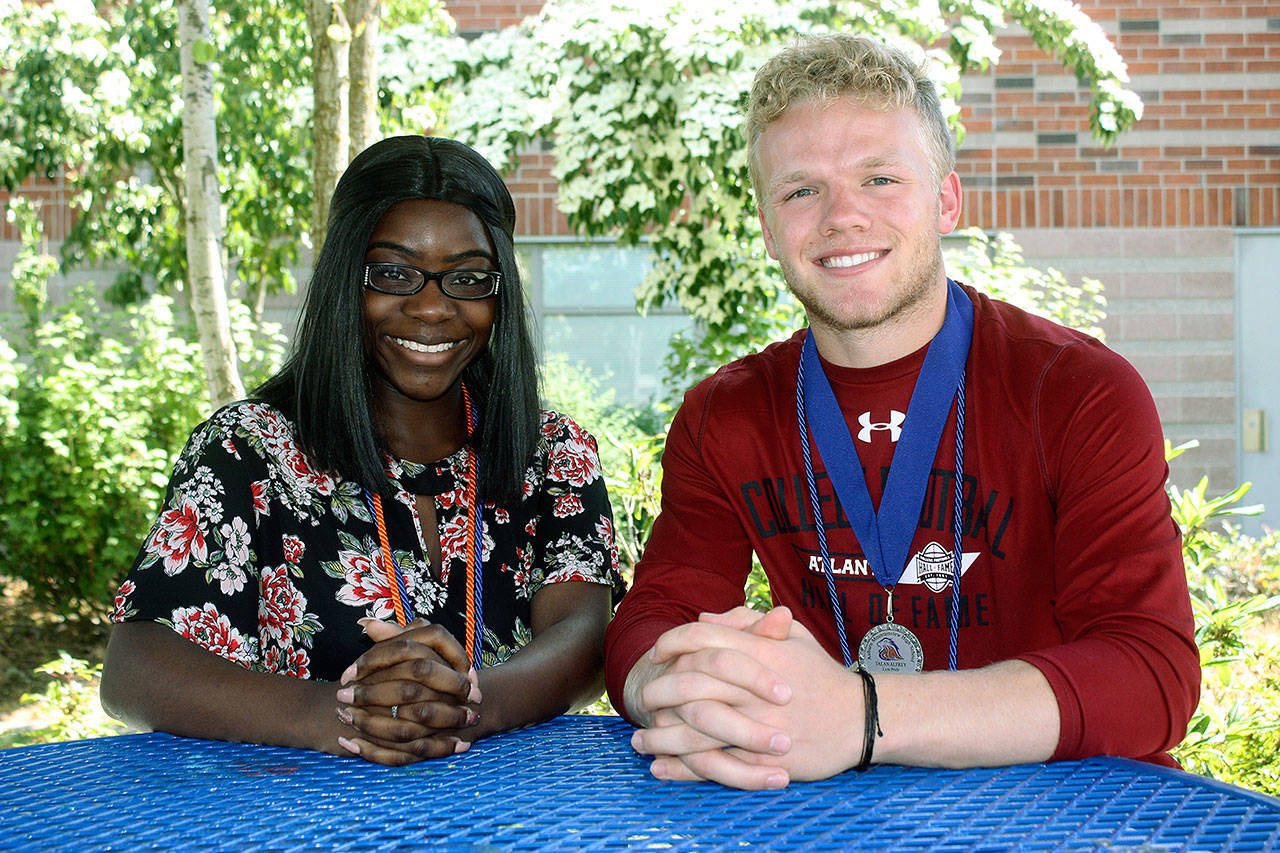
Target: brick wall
(534, 191)
(1154, 216)
(475, 16)
(54, 197)
(1205, 154)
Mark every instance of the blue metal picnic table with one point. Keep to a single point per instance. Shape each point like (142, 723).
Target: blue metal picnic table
(575, 784)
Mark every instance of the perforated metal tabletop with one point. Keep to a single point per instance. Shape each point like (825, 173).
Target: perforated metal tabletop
(575, 784)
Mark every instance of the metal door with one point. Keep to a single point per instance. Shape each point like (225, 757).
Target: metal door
(1258, 372)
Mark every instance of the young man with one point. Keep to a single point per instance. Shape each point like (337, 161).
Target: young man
(1063, 631)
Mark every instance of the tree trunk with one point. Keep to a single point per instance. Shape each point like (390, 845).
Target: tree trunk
(203, 213)
(364, 16)
(259, 302)
(330, 78)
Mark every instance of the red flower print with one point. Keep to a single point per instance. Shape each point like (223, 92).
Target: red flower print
(448, 500)
(271, 428)
(121, 599)
(574, 459)
(177, 537)
(304, 473)
(604, 531)
(453, 539)
(259, 492)
(288, 661)
(567, 505)
(210, 629)
(293, 549)
(366, 584)
(280, 606)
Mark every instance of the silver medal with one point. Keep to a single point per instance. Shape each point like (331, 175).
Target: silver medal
(889, 647)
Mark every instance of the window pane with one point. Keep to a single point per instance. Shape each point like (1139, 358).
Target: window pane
(624, 352)
(591, 276)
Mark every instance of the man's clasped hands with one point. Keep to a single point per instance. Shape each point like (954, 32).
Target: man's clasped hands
(746, 699)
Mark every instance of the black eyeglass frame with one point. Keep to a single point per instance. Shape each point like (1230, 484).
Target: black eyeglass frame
(428, 276)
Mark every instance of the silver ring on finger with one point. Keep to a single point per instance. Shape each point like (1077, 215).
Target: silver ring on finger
(395, 712)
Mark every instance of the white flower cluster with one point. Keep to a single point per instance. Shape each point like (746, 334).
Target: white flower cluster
(641, 102)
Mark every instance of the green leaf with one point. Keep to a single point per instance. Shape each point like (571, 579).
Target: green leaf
(203, 52)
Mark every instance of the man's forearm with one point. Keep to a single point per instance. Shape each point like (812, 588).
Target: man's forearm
(1005, 713)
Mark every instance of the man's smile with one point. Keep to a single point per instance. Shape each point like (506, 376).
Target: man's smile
(837, 261)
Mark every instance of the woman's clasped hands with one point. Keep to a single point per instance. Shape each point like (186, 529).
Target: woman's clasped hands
(409, 697)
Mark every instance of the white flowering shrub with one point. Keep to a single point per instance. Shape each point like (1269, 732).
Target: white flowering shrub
(641, 102)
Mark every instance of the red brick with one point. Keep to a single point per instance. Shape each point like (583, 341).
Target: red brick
(1179, 12)
(1144, 68)
(1040, 111)
(1205, 109)
(1206, 53)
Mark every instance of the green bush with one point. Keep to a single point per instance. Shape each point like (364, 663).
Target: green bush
(1234, 734)
(97, 404)
(69, 701)
(630, 440)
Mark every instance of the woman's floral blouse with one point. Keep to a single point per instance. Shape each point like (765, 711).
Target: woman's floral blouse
(264, 560)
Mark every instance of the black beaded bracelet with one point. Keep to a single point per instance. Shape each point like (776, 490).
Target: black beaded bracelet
(871, 706)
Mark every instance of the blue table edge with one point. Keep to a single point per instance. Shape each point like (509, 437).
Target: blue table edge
(1184, 776)
(1103, 761)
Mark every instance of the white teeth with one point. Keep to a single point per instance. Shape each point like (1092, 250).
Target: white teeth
(417, 347)
(850, 260)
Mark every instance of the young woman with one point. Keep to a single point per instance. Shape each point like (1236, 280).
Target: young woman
(388, 551)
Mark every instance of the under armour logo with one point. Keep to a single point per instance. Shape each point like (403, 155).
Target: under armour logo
(894, 426)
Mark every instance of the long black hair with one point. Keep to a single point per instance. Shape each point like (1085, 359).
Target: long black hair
(324, 385)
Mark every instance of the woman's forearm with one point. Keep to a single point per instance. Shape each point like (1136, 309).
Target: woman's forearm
(155, 679)
(560, 669)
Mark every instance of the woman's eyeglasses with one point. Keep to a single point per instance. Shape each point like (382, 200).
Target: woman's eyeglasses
(404, 280)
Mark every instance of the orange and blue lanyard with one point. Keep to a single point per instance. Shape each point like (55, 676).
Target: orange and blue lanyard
(475, 581)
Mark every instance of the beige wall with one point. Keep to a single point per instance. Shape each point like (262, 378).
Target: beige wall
(1171, 312)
